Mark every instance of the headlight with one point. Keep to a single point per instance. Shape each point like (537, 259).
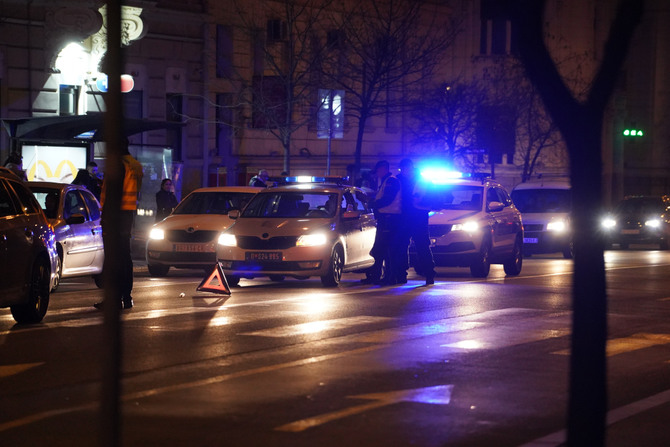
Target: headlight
(469, 226)
(653, 223)
(227, 240)
(312, 240)
(157, 234)
(557, 226)
(608, 223)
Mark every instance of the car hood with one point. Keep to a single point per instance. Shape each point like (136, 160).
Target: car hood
(279, 226)
(449, 216)
(217, 222)
(536, 218)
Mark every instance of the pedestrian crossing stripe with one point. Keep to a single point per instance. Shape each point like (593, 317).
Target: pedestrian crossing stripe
(216, 282)
(314, 327)
(10, 370)
(628, 344)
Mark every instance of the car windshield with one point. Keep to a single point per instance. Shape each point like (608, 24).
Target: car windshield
(292, 204)
(641, 206)
(212, 202)
(452, 197)
(542, 200)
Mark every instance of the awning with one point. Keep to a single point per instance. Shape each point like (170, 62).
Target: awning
(70, 127)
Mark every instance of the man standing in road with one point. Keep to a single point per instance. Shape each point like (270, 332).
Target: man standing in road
(414, 224)
(387, 209)
(132, 183)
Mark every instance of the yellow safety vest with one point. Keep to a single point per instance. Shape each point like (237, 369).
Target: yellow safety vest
(395, 207)
(132, 183)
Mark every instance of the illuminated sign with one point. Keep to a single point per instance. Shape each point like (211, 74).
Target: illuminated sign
(127, 83)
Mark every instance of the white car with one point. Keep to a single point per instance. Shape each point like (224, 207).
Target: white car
(546, 206)
(74, 213)
(474, 224)
(300, 230)
(187, 237)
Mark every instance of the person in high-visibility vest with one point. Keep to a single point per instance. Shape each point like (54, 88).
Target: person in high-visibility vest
(132, 184)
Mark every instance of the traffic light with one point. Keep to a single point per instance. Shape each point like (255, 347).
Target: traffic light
(633, 133)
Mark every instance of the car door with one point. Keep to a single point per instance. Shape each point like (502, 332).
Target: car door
(79, 247)
(95, 213)
(360, 226)
(505, 224)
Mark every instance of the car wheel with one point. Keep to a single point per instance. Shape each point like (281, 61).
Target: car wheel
(233, 280)
(568, 251)
(158, 269)
(277, 278)
(59, 272)
(481, 266)
(334, 275)
(98, 280)
(514, 263)
(35, 308)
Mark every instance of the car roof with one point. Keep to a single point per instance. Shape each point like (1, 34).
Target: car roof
(251, 189)
(309, 187)
(543, 184)
(54, 185)
(8, 173)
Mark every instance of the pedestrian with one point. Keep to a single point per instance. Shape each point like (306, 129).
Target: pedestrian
(132, 184)
(260, 179)
(414, 225)
(89, 178)
(15, 164)
(166, 201)
(387, 208)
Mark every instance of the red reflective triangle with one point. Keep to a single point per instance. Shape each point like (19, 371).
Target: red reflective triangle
(216, 282)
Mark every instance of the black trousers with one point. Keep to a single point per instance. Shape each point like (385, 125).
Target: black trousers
(123, 270)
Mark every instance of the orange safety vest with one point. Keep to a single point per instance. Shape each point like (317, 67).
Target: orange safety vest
(132, 182)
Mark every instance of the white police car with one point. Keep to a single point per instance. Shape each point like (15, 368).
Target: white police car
(474, 223)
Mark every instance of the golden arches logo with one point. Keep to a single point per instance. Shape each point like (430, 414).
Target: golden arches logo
(59, 173)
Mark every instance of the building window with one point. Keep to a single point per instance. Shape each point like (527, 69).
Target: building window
(174, 112)
(497, 33)
(224, 51)
(68, 100)
(277, 30)
(224, 124)
(269, 102)
(335, 39)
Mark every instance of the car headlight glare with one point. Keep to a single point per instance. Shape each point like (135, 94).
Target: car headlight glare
(312, 240)
(156, 234)
(653, 223)
(557, 226)
(469, 226)
(608, 223)
(227, 240)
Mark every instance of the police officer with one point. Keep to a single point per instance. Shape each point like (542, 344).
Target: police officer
(132, 183)
(414, 224)
(261, 179)
(387, 207)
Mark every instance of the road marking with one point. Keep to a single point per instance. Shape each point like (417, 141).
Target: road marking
(10, 370)
(318, 326)
(635, 342)
(436, 395)
(557, 439)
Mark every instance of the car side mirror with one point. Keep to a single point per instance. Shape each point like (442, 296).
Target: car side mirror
(234, 214)
(496, 206)
(75, 219)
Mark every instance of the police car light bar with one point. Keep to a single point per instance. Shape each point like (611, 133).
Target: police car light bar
(308, 179)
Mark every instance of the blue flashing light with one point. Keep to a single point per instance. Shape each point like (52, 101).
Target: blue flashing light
(438, 175)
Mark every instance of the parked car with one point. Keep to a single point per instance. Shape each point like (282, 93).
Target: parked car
(474, 223)
(74, 214)
(639, 220)
(27, 251)
(546, 207)
(299, 230)
(187, 237)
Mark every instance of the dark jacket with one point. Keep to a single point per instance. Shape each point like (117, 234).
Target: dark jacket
(91, 183)
(166, 201)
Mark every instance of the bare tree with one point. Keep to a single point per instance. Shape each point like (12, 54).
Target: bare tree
(580, 123)
(286, 57)
(389, 49)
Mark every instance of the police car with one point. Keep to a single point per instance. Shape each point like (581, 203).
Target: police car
(310, 227)
(474, 222)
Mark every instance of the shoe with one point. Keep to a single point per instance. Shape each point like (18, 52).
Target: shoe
(98, 305)
(101, 305)
(430, 279)
(127, 303)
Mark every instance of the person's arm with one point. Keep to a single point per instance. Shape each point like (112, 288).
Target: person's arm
(391, 189)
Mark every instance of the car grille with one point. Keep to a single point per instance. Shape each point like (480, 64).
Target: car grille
(185, 257)
(438, 230)
(533, 227)
(196, 236)
(274, 243)
(260, 266)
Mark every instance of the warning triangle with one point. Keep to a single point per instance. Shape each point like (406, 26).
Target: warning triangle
(216, 282)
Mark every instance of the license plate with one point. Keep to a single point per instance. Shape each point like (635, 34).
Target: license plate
(263, 256)
(198, 248)
(530, 240)
(630, 231)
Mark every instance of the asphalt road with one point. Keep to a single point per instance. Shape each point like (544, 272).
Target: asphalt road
(464, 362)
